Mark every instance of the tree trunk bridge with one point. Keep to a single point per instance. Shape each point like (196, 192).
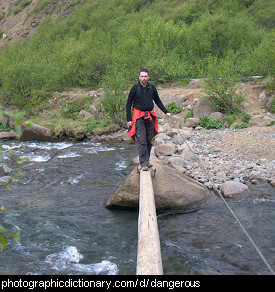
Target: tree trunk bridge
(149, 260)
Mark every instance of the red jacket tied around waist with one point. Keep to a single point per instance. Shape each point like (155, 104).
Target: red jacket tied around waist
(146, 115)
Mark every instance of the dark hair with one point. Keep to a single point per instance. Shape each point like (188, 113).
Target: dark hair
(143, 70)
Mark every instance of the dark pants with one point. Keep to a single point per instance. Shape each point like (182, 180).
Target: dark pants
(144, 136)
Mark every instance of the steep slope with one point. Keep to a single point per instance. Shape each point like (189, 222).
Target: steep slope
(19, 19)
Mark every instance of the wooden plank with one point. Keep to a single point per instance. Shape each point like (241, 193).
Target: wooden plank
(149, 260)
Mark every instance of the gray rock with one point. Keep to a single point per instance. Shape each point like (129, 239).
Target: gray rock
(37, 133)
(172, 189)
(217, 115)
(260, 120)
(202, 109)
(192, 122)
(4, 180)
(234, 189)
(4, 169)
(165, 150)
(9, 135)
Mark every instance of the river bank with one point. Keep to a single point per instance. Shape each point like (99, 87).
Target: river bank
(227, 154)
(230, 154)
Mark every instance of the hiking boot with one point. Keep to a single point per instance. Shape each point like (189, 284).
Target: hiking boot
(150, 165)
(145, 168)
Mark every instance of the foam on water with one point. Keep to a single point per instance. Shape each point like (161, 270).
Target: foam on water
(69, 260)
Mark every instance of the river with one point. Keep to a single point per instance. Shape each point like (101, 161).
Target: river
(58, 205)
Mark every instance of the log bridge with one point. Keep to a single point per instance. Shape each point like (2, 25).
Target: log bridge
(149, 260)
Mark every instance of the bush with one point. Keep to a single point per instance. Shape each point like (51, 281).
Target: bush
(241, 126)
(189, 114)
(172, 107)
(245, 117)
(4, 128)
(220, 86)
(271, 108)
(72, 109)
(209, 123)
(231, 119)
(114, 99)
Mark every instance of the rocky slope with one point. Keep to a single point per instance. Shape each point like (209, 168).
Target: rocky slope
(20, 19)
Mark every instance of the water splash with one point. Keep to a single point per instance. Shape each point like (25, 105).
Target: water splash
(68, 261)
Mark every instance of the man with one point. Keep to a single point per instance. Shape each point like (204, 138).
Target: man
(144, 123)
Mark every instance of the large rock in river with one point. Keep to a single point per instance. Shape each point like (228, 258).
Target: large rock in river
(173, 190)
(37, 133)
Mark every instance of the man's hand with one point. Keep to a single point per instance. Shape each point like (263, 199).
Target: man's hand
(130, 123)
(168, 114)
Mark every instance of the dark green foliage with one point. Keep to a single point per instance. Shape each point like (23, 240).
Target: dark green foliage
(72, 109)
(4, 128)
(271, 108)
(189, 114)
(241, 126)
(209, 123)
(172, 107)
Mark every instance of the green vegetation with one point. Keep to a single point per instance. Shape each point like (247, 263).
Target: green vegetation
(241, 116)
(209, 123)
(20, 4)
(4, 235)
(271, 108)
(172, 107)
(72, 109)
(16, 121)
(105, 42)
(189, 114)
(220, 86)
(4, 128)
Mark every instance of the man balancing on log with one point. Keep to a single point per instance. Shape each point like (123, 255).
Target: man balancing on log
(143, 126)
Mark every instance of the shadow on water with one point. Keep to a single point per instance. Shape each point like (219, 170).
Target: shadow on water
(58, 205)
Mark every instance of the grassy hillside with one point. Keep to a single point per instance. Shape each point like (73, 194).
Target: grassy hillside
(105, 42)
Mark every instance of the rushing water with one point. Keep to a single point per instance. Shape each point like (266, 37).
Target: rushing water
(58, 205)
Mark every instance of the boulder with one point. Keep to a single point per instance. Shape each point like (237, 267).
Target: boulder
(260, 120)
(165, 149)
(37, 133)
(172, 189)
(217, 115)
(192, 122)
(203, 109)
(4, 180)
(234, 189)
(4, 170)
(9, 135)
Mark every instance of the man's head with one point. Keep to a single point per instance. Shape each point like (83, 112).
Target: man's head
(143, 76)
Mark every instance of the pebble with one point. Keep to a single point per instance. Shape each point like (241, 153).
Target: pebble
(222, 158)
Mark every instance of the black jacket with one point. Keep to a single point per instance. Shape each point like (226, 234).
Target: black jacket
(142, 98)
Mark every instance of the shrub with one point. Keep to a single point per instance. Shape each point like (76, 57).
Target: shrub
(72, 109)
(230, 119)
(4, 128)
(209, 123)
(220, 86)
(241, 126)
(245, 117)
(271, 108)
(173, 108)
(189, 114)
(114, 99)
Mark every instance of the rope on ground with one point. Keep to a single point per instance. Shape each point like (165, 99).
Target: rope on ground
(230, 209)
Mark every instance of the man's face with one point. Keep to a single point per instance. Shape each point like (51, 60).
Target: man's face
(143, 78)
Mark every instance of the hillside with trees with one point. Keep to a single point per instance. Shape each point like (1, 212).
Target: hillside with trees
(103, 43)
